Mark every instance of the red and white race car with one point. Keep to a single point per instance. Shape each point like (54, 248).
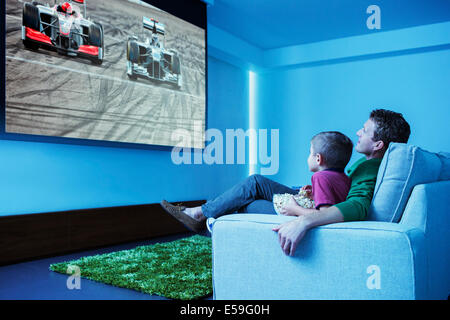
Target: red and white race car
(62, 27)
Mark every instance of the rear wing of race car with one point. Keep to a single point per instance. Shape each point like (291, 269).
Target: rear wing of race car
(153, 25)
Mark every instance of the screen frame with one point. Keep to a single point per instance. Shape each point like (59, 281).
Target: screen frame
(192, 11)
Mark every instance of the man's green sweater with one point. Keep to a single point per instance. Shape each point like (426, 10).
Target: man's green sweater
(364, 176)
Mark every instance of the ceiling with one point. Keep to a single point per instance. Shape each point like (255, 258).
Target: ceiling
(269, 24)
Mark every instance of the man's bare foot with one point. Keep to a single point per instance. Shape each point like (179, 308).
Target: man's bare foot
(195, 213)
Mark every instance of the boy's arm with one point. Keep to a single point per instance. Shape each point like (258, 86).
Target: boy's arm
(300, 211)
(293, 209)
(290, 233)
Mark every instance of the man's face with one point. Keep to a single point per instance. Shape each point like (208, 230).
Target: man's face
(365, 143)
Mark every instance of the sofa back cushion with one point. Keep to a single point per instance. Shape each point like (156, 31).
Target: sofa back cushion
(445, 170)
(403, 166)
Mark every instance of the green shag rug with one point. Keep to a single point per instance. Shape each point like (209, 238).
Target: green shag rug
(179, 269)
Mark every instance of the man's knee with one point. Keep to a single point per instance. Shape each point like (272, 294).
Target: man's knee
(253, 179)
(257, 177)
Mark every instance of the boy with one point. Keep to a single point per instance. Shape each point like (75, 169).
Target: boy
(329, 154)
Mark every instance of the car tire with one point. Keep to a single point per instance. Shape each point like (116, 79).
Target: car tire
(176, 67)
(133, 51)
(30, 19)
(95, 35)
(96, 39)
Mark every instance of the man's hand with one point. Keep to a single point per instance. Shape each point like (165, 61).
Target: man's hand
(290, 234)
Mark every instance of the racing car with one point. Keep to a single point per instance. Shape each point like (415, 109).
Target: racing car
(63, 28)
(149, 59)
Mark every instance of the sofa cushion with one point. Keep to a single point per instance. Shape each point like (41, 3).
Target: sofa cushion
(403, 166)
(445, 170)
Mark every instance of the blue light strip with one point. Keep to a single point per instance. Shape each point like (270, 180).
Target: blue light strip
(252, 124)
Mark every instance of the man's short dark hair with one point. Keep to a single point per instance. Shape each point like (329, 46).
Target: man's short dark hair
(390, 127)
(336, 148)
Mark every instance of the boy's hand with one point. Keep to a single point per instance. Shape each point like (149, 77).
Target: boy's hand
(291, 208)
(308, 190)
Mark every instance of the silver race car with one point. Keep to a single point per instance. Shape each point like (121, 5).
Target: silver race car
(63, 28)
(148, 58)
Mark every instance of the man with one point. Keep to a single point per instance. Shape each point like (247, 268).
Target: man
(382, 128)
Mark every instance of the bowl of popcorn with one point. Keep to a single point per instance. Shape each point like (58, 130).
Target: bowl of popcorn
(281, 199)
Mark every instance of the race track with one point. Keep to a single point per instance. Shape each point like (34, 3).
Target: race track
(56, 95)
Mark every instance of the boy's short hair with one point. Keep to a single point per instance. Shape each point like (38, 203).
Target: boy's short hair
(336, 148)
(390, 127)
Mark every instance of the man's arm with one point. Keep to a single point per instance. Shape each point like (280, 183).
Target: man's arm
(290, 233)
(355, 207)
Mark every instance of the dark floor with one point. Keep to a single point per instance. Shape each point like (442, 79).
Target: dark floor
(33, 280)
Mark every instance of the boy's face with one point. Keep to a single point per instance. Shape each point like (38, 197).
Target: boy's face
(312, 160)
(365, 144)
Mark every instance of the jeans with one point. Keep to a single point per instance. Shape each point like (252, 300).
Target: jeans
(253, 194)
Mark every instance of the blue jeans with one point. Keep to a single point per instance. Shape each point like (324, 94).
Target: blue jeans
(253, 194)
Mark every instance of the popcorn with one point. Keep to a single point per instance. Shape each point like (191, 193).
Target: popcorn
(279, 200)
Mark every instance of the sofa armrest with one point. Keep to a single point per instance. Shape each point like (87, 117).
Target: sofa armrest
(350, 260)
(428, 209)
